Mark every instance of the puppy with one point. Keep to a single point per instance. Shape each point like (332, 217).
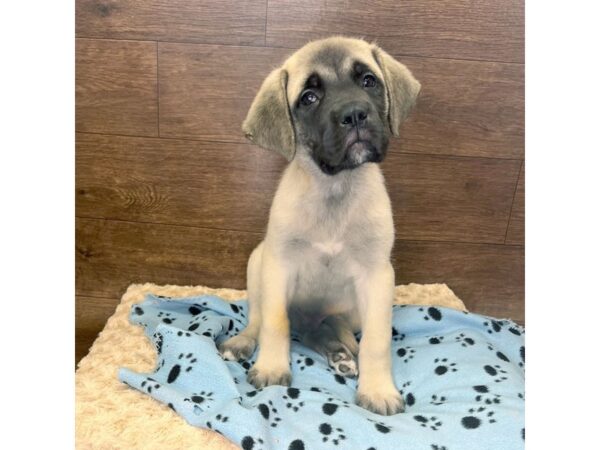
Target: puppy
(324, 267)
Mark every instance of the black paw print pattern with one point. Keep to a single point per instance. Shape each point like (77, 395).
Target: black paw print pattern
(437, 400)
(402, 388)
(331, 407)
(304, 362)
(396, 337)
(405, 353)
(218, 418)
(485, 396)
(297, 444)
(381, 427)
(269, 413)
(229, 327)
(292, 401)
(208, 333)
(409, 398)
(138, 310)
(522, 355)
(477, 417)
(166, 317)
(184, 360)
(465, 341)
(237, 310)
(516, 331)
(502, 356)
(338, 378)
(443, 366)
(438, 447)
(432, 314)
(497, 372)
(434, 340)
(150, 383)
(431, 422)
(201, 398)
(246, 366)
(253, 393)
(252, 443)
(331, 434)
(195, 309)
(493, 326)
(158, 342)
(195, 322)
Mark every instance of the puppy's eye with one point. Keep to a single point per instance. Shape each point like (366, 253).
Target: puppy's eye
(308, 98)
(369, 81)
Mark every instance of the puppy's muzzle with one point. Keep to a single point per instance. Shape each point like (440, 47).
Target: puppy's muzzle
(358, 140)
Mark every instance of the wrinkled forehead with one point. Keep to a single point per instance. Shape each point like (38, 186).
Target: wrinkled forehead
(332, 60)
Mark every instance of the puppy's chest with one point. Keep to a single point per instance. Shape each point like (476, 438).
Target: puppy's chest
(325, 258)
(328, 250)
(323, 269)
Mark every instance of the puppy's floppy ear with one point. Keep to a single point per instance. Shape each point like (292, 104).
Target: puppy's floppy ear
(401, 87)
(269, 123)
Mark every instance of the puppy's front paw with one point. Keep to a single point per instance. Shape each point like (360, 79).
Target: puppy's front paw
(386, 402)
(261, 377)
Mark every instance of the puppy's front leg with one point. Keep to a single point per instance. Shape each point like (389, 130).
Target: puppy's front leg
(376, 389)
(272, 363)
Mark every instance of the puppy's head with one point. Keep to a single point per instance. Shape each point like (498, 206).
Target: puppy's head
(336, 100)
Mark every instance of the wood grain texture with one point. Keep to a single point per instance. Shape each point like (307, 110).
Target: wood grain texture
(484, 30)
(516, 227)
(110, 255)
(205, 184)
(488, 278)
(230, 186)
(206, 90)
(467, 108)
(450, 199)
(91, 314)
(116, 87)
(211, 21)
(113, 254)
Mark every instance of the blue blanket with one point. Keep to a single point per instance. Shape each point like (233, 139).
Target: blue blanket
(461, 375)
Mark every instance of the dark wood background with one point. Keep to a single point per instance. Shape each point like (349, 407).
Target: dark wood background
(168, 190)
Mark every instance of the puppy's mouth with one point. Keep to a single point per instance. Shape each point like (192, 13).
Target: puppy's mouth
(357, 135)
(359, 147)
(357, 153)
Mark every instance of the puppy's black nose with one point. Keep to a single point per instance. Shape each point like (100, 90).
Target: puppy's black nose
(353, 115)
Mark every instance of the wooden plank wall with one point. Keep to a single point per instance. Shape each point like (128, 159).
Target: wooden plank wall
(168, 190)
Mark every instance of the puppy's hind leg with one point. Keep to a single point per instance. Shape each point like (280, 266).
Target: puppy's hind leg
(242, 346)
(325, 341)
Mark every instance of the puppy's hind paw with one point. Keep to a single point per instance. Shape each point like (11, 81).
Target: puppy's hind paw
(237, 348)
(343, 363)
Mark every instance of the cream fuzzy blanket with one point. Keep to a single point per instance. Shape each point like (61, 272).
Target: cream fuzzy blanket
(109, 415)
